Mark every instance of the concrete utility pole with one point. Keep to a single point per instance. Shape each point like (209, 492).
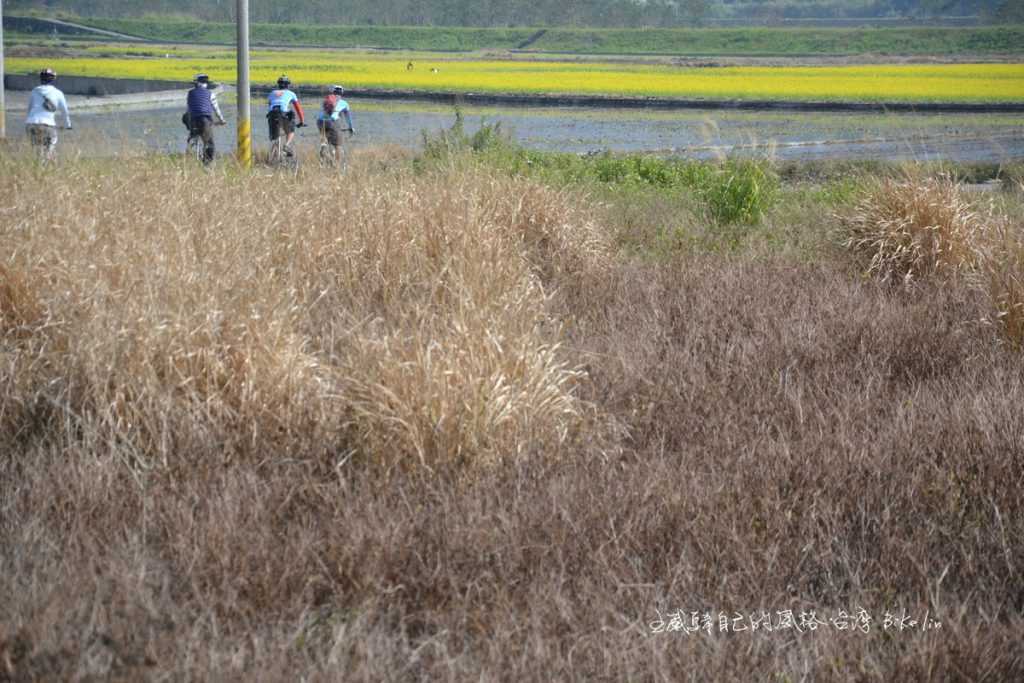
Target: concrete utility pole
(3, 95)
(244, 118)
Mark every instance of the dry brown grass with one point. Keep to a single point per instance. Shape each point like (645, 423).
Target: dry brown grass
(919, 226)
(406, 315)
(184, 389)
(911, 227)
(1001, 277)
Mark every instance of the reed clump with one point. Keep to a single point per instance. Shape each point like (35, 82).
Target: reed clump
(443, 342)
(917, 226)
(1000, 277)
(182, 314)
(910, 227)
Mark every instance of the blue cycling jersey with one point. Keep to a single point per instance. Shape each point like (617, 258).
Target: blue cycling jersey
(340, 106)
(281, 99)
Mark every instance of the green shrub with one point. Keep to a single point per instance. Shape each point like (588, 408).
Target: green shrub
(741, 191)
(736, 191)
(490, 139)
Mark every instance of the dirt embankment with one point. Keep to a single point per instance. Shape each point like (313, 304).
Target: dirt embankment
(58, 27)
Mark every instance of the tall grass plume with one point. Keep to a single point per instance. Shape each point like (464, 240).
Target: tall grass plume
(911, 227)
(401, 317)
(1000, 277)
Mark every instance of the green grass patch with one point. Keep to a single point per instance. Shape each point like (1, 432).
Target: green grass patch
(786, 41)
(397, 37)
(733, 191)
(738, 41)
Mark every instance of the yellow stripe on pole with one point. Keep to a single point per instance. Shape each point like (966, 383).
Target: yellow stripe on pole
(243, 95)
(245, 143)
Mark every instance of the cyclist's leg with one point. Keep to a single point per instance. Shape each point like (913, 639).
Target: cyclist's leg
(288, 122)
(274, 129)
(33, 134)
(51, 143)
(195, 133)
(323, 140)
(43, 139)
(205, 127)
(274, 124)
(328, 141)
(334, 140)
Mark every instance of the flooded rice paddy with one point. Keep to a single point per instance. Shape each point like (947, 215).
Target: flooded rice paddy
(788, 135)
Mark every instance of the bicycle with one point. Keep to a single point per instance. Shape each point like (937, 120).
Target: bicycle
(44, 146)
(326, 153)
(46, 154)
(195, 146)
(278, 156)
(195, 149)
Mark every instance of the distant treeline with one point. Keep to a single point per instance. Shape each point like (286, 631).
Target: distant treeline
(589, 13)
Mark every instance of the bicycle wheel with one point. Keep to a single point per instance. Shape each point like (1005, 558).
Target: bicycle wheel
(44, 145)
(326, 156)
(196, 149)
(343, 161)
(49, 154)
(291, 161)
(276, 152)
(289, 156)
(45, 152)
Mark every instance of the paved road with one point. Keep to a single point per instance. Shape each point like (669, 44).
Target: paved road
(18, 101)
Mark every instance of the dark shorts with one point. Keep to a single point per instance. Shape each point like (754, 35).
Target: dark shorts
(277, 122)
(329, 128)
(199, 126)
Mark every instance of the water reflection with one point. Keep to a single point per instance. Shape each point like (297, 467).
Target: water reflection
(691, 133)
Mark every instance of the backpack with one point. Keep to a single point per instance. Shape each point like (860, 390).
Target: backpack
(49, 104)
(329, 103)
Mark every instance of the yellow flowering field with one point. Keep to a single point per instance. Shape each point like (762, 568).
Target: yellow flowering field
(921, 82)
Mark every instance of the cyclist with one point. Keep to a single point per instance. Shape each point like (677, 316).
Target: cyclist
(327, 120)
(283, 105)
(44, 103)
(202, 108)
